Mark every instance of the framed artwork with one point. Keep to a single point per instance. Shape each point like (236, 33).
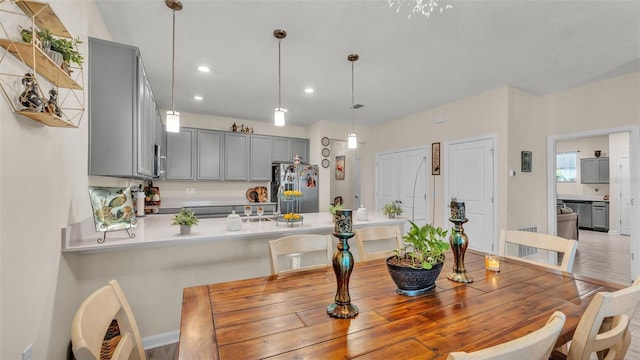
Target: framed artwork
(526, 160)
(435, 158)
(340, 167)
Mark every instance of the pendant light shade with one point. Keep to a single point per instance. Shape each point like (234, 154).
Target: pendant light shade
(173, 117)
(352, 138)
(279, 111)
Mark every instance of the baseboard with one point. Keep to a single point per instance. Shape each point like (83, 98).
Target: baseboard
(613, 232)
(163, 339)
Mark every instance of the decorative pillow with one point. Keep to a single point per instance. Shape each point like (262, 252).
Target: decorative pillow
(112, 208)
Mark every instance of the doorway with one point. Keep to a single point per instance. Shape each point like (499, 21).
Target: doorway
(633, 154)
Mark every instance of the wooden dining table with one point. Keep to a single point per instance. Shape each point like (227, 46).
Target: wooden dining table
(285, 316)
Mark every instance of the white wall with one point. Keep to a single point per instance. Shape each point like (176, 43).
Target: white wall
(43, 187)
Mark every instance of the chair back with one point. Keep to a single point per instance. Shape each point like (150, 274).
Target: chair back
(299, 244)
(604, 326)
(95, 318)
(381, 235)
(567, 247)
(533, 346)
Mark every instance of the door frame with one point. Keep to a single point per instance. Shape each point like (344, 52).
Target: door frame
(621, 206)
(634, 155)
(445, 163)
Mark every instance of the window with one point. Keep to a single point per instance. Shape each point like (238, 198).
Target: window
(566, 166)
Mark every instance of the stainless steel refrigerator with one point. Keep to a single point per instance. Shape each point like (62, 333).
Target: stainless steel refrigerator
(301, 177)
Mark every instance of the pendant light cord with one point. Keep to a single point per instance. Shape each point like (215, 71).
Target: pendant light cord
(173, 64)
(353, 102)
(279, 78)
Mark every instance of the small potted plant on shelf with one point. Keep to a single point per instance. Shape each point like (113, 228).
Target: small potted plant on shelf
(415, 267)
(186, 218)
(392, 209)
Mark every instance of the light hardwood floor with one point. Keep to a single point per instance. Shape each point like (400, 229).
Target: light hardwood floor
(599, 255)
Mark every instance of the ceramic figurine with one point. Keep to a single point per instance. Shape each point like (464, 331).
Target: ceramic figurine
(29, 97)
(52, 103)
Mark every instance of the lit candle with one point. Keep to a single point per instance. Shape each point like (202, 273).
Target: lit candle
(492, 262)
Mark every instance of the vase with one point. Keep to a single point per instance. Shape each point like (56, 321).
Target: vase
(185, 229)
(413, 282)
(392, 216)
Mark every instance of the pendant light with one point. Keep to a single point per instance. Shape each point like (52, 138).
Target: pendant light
(173, 117)
(279, 111)
(352, 138)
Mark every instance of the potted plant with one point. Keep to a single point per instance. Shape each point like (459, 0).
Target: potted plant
(186, 218)
(392, 209)
(415, 267)
(65, 47)
(333, 208)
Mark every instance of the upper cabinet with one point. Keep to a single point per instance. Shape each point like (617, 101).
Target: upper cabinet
(236, 156)
(594, 170)
(124, 119)
(49, 90)
(260, 164)
(209, 155)
(181, 154)
(284, 149)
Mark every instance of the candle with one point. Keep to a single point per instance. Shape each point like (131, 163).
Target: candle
(457, 209)
(492, 262)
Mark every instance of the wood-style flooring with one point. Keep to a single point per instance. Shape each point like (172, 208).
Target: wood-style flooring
(599, 255)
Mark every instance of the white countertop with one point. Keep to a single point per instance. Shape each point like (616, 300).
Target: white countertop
(156, 230)
(580, 197)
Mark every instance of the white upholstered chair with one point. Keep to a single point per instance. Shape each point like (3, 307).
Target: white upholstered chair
(95, 317)
(533, 346)
(388, 234)
(604, 327)
(539, 241)
(299, 244)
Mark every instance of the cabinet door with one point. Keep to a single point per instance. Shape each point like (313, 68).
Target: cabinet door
(603, 170)
(588, 171)
(282, 149)
(600, 218)
(144, 124)
(112, 94)
(210, 149)
(236, 156)
(160, 154)
(260, 159)
(180, 155)
(300, 147)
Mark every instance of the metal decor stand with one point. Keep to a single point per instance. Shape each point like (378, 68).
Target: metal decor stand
(342, 266)
(104, 235)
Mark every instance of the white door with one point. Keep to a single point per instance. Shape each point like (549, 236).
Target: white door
(400, 175)
(356, 184)
(626, 202)
(470, 178)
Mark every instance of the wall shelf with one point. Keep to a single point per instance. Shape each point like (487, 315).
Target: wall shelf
(68, 86)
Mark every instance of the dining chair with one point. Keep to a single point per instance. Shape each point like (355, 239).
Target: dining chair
(296, 245)
(533, 346)
(378, 239)
(535, 246)
(104, 327)
(604, 327)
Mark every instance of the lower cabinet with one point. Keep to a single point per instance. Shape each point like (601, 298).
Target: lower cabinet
(600, 216)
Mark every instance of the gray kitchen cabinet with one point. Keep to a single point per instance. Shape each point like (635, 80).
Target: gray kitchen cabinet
(209, 153)
(181, 154)
(236, 156)
(594, 170)
(600, 216)
(284, 149)
(123, 113)
(260, 158)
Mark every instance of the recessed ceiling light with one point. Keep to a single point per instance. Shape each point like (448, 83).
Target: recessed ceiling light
(204, 69)
(197, 97)
(309, 90)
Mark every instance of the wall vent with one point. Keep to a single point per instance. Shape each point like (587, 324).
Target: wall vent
(524, 251)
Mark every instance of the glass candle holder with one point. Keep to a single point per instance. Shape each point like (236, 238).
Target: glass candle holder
(492, 262)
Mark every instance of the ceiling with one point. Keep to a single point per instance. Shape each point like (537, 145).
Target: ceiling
(406, 64)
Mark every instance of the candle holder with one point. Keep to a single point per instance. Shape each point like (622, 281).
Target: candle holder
(342, 266)
(492, 262)
(459, 243)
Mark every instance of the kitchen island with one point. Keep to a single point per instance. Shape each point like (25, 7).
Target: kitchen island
(156, 230)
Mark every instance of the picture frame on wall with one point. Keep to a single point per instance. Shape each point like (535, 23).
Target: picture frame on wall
(435, 158)
(526, 160)
(340, 167)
